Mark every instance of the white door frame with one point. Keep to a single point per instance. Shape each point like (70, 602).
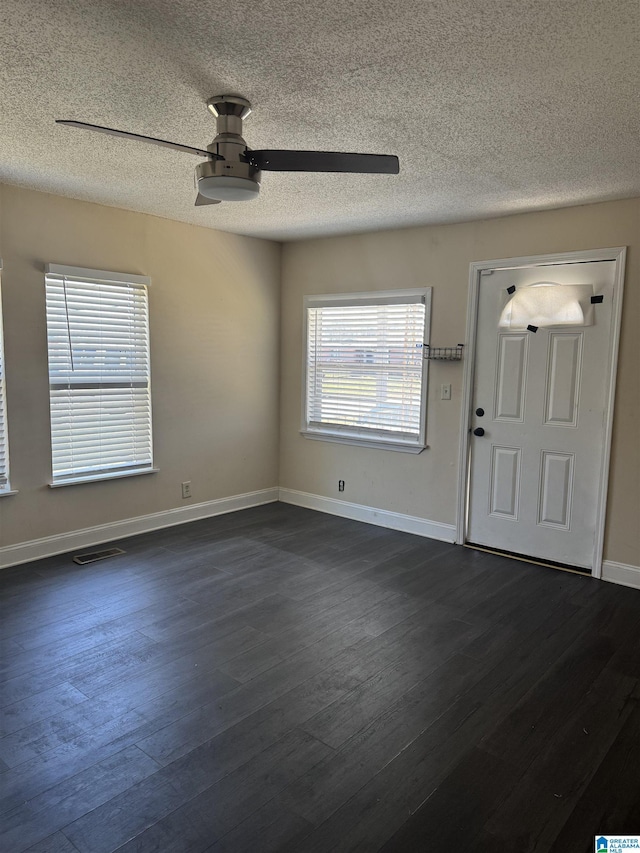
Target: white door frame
(475, 272)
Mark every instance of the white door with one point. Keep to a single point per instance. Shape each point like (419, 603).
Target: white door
(540, 397)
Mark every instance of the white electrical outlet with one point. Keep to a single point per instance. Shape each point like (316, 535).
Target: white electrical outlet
(186, 489)
(445, 392)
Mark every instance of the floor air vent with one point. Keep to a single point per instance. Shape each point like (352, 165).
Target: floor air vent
(81, 559)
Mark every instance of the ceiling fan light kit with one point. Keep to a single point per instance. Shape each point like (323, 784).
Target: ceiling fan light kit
(232, 171)
(227, 180)
(227, 187)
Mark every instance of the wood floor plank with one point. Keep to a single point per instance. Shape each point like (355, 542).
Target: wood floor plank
(48, 813)
(287, 638)
(238, 744)
(456, 810)
(550, 702)
(123, 652)
(121, 715)
(357, 709)
(56, 843)
(21, 619)
(279, 831)
(610, 804)
(190, 651)
(111, 825)
(435, 575)
(25, 712)
(383, 803)
(167, 808)
(317, 795)
(80, 633)
(68, 758)
(25, 661)
(563, 765)
(500, 635)
(204, 723)
(281, 613)
(92, 732)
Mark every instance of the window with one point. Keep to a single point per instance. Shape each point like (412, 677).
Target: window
(365, 368)
(547, 304)
(4, 448)
(100, 398)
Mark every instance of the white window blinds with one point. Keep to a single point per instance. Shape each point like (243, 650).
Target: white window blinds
(99, 374)
(365, 365)
(4, 450)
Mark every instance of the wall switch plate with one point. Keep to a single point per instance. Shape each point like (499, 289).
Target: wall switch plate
(186, 489)
(445, 391)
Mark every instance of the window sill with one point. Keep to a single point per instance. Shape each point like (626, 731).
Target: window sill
(375, 443)
(98, 478)
(5, 492)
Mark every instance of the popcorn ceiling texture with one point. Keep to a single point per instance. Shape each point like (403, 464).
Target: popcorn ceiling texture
(493, 107)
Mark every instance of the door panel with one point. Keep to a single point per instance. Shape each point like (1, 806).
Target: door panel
(534, 474)
(556, 488)
(505, 482)
(511, 378)
(563, 379)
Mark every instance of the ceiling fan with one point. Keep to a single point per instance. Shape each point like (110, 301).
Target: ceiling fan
(232, 171)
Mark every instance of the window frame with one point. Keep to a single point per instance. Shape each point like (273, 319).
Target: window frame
(98, 277)
(367, 436)
(5, 488)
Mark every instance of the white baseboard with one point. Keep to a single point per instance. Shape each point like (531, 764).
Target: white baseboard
(48, 546)
(371, 515)
(621, 573)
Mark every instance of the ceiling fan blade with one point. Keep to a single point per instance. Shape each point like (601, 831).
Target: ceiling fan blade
(202, 199)
(201, 152)
(323, 161)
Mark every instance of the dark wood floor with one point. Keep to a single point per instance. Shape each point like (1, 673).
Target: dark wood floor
(283, 680)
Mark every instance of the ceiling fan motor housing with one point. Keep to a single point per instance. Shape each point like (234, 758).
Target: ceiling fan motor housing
(231, 178)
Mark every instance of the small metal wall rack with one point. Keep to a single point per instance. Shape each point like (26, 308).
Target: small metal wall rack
(443, 353)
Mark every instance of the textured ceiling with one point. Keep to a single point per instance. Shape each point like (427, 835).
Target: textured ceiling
(493, 106)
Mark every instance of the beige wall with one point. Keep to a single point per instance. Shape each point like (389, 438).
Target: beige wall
(214, 318)
(425, 485)
(215, 327)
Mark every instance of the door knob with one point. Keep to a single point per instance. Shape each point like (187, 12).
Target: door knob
(478, 431)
